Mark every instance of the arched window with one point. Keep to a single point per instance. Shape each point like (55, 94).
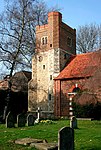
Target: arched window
(44, 40)
(76, 90)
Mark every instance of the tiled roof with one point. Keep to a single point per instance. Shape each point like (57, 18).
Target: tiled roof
(94, 84)
(27, 74)
(83, 65)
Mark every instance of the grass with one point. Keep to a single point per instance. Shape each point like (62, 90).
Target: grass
(87, 136)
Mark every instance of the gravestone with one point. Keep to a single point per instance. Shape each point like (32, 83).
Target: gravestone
(73, 122)
(10, 120)
(21, 120)
(30, 120)
(66, 139)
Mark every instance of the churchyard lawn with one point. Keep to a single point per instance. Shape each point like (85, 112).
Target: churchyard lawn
(87, 136)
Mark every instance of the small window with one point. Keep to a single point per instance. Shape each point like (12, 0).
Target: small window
(43, 66)
(65, 56)
(50, 77)
(49, 96)
(50, 45)
(69, 41)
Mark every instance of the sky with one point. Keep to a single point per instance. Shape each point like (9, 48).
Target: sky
(78, 12)
(75, 13)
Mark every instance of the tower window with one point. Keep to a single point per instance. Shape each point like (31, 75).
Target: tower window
(50, 77)
(65, 56)
(50, 45)
(49, 96)
(69, 41)
(44, 40)
(43, 66)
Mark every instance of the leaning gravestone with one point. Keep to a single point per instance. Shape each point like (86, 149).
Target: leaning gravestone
(10, 120)
(66, 139)
(21, 120)
(73, 122)
(30, 120)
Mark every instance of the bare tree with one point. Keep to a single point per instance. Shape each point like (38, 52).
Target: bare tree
(99, 36)
(88, 38)
(17, 32)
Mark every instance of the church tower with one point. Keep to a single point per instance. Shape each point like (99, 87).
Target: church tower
(55, 42)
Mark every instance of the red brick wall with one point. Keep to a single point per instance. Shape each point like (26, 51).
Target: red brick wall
(57, 33)
(54, 22)
(65, 32)
(63, 99)
(57, 102)
(40, 32)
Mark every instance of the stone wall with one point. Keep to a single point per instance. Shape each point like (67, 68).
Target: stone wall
(50, 58)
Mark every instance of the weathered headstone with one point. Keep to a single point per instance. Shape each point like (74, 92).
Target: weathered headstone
(44, 146)
(21, 120)
(73, 122)
(10, 120)
(66, 139)
(37, 143)
(30, 120)
(27, 141)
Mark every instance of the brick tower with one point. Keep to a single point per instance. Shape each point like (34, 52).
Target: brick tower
(55, 42)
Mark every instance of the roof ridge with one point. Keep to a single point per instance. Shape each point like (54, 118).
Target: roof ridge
(89, 53)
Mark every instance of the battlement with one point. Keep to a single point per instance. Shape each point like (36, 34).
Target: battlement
(42, 27)
(58, 34)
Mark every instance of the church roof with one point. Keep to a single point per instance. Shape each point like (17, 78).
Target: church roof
(83, 65)
(18, 80)
(27, 74)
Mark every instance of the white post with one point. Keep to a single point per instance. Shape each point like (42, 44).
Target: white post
(76, 85)
(38, 113)
(70, 108)
(70, 104)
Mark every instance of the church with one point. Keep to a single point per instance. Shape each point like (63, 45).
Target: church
(57, 70)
